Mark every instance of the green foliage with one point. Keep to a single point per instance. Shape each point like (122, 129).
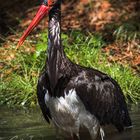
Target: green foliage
(41, 47)
(19, 88)
(127, 32)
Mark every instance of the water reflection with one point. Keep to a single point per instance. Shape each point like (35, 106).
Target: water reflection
(30, 125)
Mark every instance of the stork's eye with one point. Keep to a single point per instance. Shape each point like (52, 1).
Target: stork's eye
(52, 2)
(48, 2)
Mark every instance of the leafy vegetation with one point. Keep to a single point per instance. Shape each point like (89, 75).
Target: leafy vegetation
(19, 86)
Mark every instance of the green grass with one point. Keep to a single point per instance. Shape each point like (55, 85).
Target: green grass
(127, 32)
(19, 87)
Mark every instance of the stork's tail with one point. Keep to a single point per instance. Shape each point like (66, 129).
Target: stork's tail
(123, 120)
(127, 123)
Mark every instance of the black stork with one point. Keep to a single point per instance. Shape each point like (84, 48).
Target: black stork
(73, 96)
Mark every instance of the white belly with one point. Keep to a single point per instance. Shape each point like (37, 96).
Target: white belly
(69, 113)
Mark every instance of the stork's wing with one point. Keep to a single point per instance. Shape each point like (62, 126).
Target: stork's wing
(102, 97)
(42, 87)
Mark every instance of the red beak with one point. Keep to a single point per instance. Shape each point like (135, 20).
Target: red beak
(43, 10)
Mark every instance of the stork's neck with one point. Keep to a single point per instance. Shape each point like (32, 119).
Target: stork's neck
(55, 27)
(55, 51)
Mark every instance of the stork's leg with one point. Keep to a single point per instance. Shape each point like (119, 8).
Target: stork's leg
(102, 133)
(76, 137)
(94, 131)
(90, 123)
(92, 126)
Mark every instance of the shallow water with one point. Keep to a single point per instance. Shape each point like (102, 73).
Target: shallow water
(30, 125)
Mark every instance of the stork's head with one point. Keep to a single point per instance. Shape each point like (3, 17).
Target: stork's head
(44, 9)
(50, 2)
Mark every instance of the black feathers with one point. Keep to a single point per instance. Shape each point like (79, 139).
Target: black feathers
(42, 88)
(100, 94)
